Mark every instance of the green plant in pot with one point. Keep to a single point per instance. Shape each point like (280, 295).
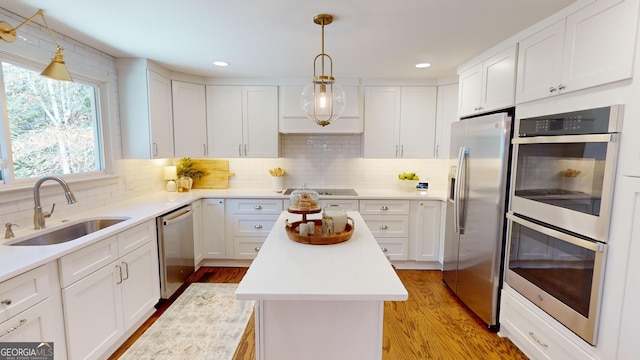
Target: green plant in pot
(187, 174)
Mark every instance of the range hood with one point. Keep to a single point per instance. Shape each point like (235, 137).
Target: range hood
(294, 121)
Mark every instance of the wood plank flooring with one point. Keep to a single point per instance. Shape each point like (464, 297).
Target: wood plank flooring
(431, 324)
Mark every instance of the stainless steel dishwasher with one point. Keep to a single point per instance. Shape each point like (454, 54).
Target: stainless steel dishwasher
(175, 249)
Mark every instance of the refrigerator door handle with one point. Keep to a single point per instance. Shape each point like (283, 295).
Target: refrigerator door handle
(456, 191)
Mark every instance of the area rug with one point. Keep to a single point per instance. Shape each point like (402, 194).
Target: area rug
(205, 322)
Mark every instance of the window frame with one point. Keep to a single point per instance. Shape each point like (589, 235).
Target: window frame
(103, 85)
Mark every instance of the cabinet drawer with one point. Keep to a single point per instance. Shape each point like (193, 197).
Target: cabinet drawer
(254, 206)
(85, 261)
(392, 207)
(255, 225)
(537, 337)
(23, 291)
(395, 248)
(135, 237)
(388, 225)
(247, 248)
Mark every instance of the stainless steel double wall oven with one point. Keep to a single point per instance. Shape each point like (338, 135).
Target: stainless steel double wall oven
(558, 224)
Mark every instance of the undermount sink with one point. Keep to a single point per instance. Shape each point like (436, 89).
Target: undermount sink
(70, 232)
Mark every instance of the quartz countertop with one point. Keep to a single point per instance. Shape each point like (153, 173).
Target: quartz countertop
(15, 260)
(356, 269)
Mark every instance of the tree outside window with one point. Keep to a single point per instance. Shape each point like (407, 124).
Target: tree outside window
(53, 125)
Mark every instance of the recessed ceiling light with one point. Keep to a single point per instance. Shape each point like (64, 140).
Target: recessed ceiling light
(220, 63)
(422, 65)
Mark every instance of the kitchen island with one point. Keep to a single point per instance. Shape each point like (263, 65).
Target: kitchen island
(320, 301)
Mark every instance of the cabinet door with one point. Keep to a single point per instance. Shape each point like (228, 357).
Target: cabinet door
(417, 122)
(499, 80)
(427, 235)
(382, 122)
(189, 119)
(213, 228)
(447, 113)
(224, 121)
(198, 240)
(93, 313)
(540, 63)
(260, 127)
(140, 283)
(470, 90)
(160, 115)
(600, 44)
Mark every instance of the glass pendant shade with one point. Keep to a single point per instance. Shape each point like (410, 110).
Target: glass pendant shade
(323, 101)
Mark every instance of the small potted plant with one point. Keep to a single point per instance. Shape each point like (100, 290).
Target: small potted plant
(187, 174)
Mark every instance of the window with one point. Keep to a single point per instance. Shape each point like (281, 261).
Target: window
(54, 126)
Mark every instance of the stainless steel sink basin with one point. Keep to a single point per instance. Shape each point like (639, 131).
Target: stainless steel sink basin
(70, 232)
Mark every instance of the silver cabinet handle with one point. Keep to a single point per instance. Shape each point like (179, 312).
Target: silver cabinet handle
(126, 271)
(258, 207)
(401, 150)
(258, 226)
(7, 301)
(257, 248)
(383, 227)
(384, 208)
(552, 89)
(239, 149)
(533, 336)
(396, 150)
(120, 272)
(384, 249)
(561, 87)
(204, 149)
(20, 323)
(245, 149)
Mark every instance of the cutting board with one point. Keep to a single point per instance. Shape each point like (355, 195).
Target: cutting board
(217, 176)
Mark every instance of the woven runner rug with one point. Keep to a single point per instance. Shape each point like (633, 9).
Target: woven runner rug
(205, 322)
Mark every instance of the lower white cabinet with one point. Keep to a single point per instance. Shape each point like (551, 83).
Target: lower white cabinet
(198, 239)
(31, 309)
(248, 223)
(103, 301)
(388, 221)
(426, 225)
(213, 229)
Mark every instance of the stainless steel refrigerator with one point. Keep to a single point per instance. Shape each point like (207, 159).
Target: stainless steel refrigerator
(477, 195)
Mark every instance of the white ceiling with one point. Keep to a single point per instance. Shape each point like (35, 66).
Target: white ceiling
(278, 38)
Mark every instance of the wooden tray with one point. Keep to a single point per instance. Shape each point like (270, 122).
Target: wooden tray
(317, 239)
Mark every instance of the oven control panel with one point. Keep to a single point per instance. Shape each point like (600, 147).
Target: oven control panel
(592, 121)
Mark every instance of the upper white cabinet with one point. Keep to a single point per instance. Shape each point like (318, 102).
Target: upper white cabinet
(189, 119)
(242, 121)
(592, 46)
(447, 113)
(489, 85)
(146, 116)
(400, 122)
(293, 119)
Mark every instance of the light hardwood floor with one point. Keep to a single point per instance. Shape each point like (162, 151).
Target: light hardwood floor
(431, 324)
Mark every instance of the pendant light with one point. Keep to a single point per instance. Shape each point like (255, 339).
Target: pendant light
(323, 99)
(57, 69)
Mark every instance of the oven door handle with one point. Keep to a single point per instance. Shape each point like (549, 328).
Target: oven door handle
(591, 245)
(565, 139)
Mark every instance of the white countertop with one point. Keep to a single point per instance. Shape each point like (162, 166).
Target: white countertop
(356, 269)
(15, 260)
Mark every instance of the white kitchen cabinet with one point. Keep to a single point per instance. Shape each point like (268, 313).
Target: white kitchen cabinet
(189, 119)
(31, 309)
(592, 46)
(293, 119)
(248, 222)
(446, 114)
(388, 221)
(115, 284)
(242, 121)
(489, 85)
(213, 229)
(426, 234)
(198, 238)
(146, 114)
(400, 122)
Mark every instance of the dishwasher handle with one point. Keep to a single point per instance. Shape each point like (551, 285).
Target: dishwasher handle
(178, 216)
